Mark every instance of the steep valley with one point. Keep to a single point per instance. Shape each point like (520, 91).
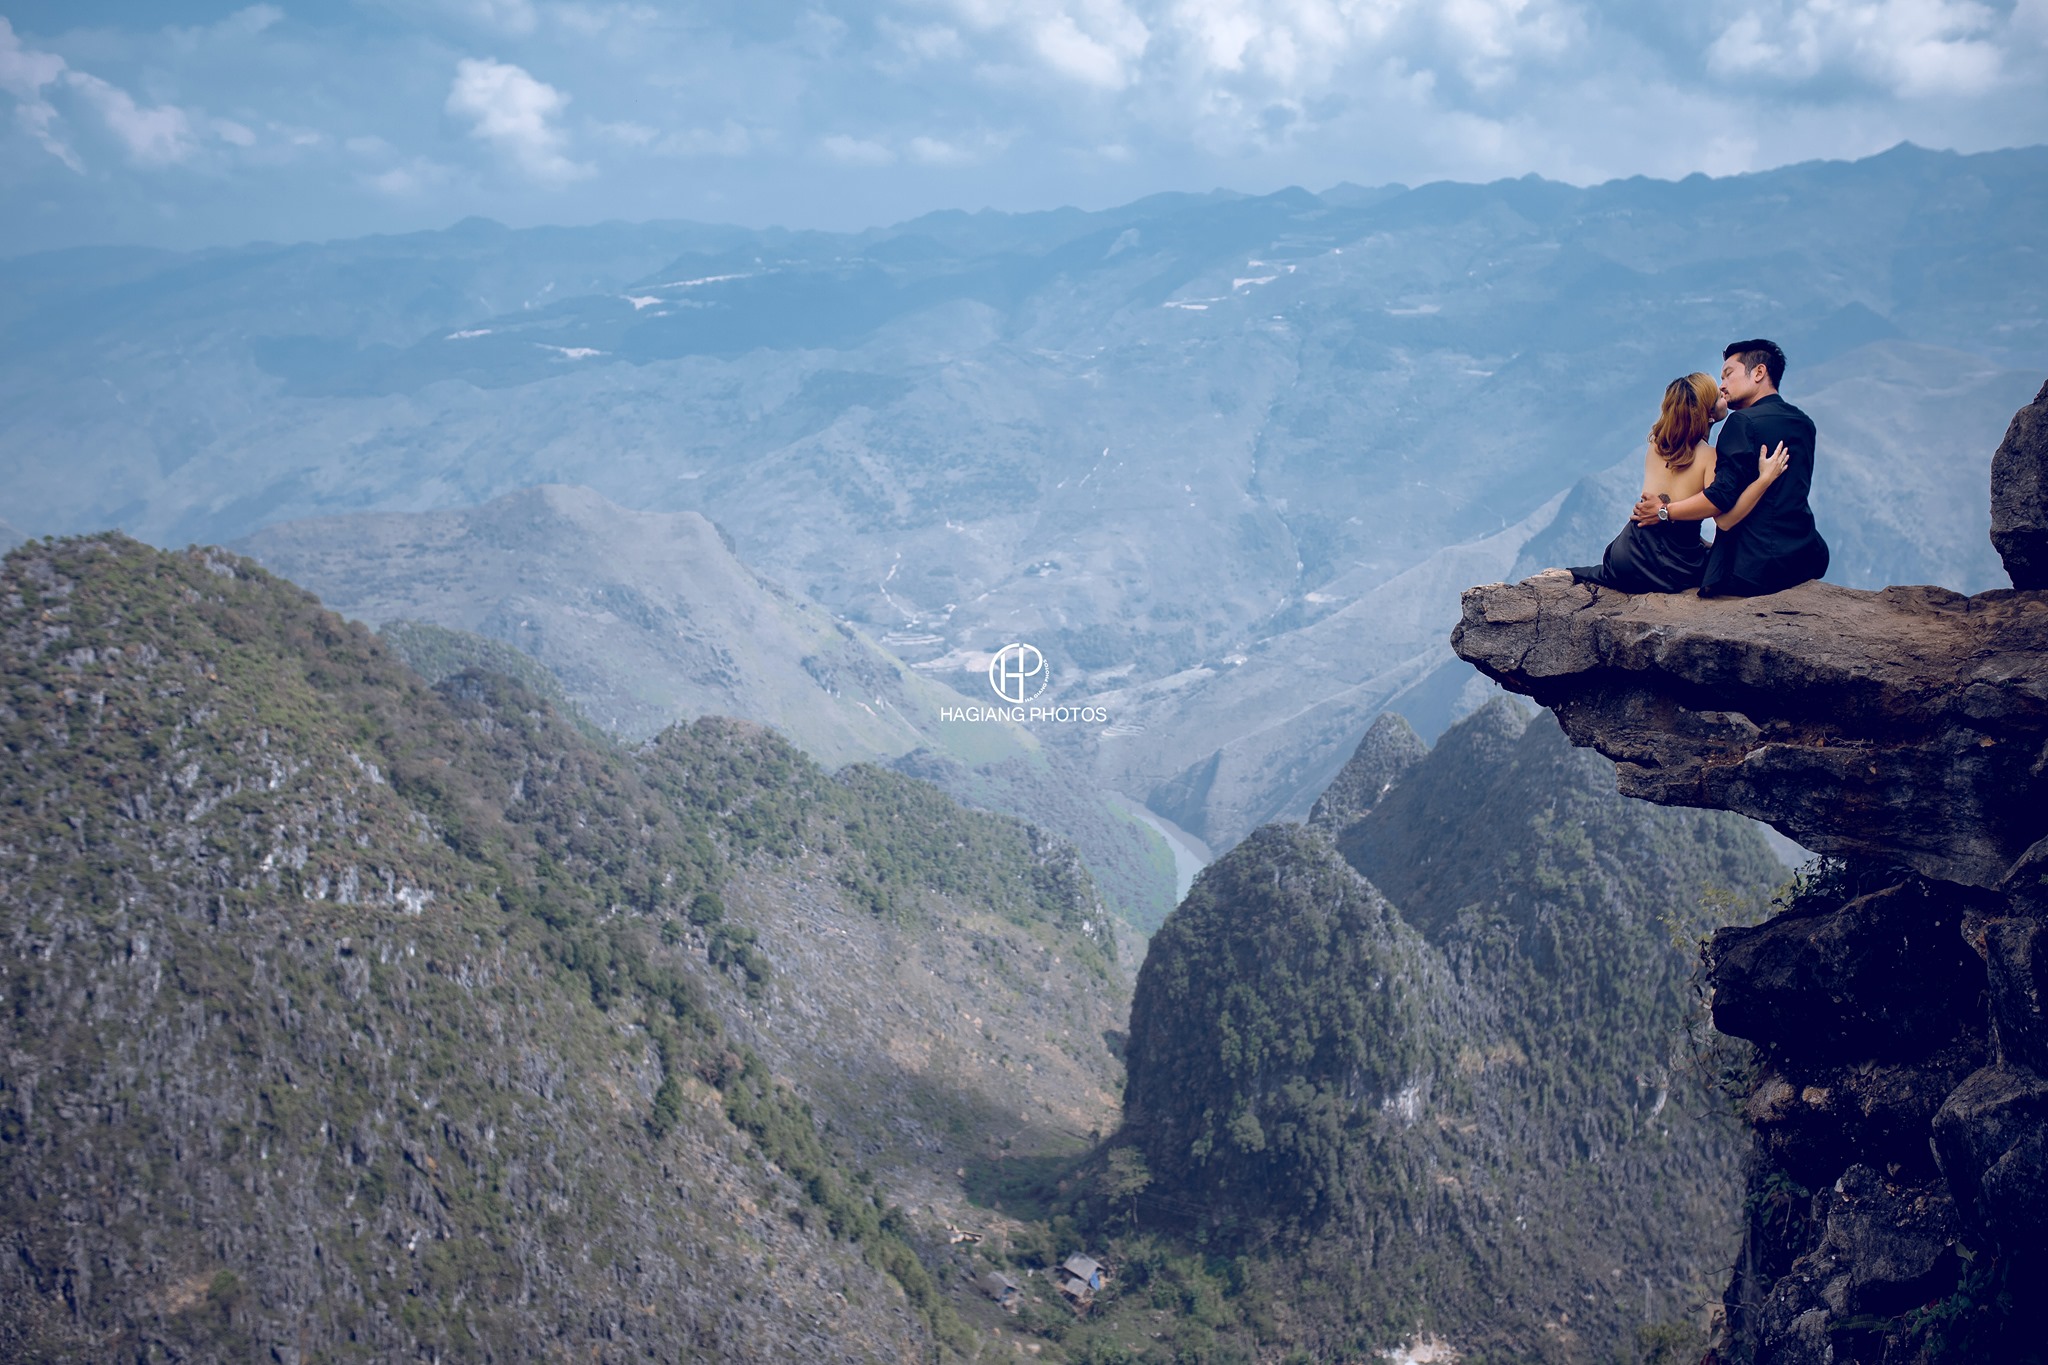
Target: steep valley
(356, 1018)
(530, 908)
(646, 619)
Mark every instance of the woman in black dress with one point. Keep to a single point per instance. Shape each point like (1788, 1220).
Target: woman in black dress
(1677, 463)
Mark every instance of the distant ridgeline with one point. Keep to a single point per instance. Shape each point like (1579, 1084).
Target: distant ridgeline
(350, 1017)
(1463, 1105)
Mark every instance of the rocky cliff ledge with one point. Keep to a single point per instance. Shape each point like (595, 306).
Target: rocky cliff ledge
(1897, 1090)
(1906, 724)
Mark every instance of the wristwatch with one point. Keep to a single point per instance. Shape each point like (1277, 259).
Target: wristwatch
(1664, 513)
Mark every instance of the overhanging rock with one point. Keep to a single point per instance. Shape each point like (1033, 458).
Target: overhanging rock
(1909, 724)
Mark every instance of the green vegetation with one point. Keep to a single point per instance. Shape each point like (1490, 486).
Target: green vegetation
(1461, 1108)
(1275, 1017)
(1125, 857)
(420, 1020)
(437, 653)
(404, 1030)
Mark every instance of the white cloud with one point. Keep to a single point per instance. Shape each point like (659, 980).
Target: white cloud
(25, 74)
(594, 19)
(1494, 38)
(512, 111)
(1095, 98)
(628, 133)
(255, 18)
(293, 135)
(729, 139)
(924, 42)
(1237, 77)
(516, 17)
(956, 151)
(1095, 42)
(934, 151)
(408, 179)
(1298, 48)
(152, 135)
(155, 135)
(1913, 48)
(854, 151)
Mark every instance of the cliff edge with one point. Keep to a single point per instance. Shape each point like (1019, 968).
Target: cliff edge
(1896, 1086)
(1906, 723)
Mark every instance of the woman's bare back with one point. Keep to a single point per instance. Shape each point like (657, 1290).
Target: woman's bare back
(1678, 484)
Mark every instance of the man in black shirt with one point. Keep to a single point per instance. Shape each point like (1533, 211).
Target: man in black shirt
(1777, 545)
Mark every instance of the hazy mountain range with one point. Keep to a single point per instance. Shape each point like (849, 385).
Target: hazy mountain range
(1226, 460)
(645, 618)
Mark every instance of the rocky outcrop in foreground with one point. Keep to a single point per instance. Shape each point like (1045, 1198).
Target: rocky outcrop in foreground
(1898, 1006)
(1904, 724)
(2019, 495)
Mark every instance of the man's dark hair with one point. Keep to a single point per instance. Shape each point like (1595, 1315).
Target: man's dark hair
(1759, 352)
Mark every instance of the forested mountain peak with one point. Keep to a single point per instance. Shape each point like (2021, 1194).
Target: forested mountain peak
(1441, 1077)
(352, 1014)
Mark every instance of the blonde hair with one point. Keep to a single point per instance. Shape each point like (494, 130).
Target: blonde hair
(1688, 415)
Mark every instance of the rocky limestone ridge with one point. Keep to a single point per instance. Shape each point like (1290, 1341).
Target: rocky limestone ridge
(1391, 747)
(649, 618)
(1897, 1198)
(2019, 495)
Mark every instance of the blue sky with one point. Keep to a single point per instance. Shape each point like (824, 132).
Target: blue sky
(192, 122)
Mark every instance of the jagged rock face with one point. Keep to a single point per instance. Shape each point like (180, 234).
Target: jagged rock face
(2016, 953)
(1992, 1137)
(1904, 725)
(2019, 495)
(1825, 975)
(1391, 747)
(1811, 1118)
(1898, 1183)
(1883, 1248)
